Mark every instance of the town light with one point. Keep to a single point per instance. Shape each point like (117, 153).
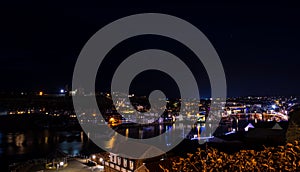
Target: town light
(61, 163)
(112, 119)
(93, 156)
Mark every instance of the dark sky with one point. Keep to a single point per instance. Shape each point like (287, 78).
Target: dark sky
(258, 43)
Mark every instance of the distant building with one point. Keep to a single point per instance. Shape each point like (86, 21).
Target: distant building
(120, 164)
(117, 162)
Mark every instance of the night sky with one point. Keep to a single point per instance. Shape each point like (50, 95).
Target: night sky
(258, 44)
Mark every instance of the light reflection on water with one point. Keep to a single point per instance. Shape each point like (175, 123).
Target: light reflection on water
(111, 142)
(19, 140)
(172, 132)
(71, 148)
(40, 143)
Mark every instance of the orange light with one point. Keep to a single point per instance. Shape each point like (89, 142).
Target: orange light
(41, 93)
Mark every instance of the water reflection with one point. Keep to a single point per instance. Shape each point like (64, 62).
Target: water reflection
(111, 142)
(9, 138)
(19, 141)
(172, 132)
(40, 143)
(81, 136)
(71, 148)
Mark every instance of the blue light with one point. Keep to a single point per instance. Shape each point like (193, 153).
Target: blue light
(62, 90)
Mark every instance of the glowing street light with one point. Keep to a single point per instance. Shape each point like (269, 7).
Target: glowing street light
(101, 160)
(61, 163)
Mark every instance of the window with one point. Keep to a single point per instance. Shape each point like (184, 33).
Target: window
(111, 158)
(119, 160)
(131, 165)
(125, 162)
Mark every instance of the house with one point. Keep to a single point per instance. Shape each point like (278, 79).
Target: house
(118, 162)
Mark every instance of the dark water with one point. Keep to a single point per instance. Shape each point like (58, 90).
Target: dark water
(21, 146)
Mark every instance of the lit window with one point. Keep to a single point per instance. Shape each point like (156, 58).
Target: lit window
(125, 162)
(111, 158)
(119, 160)
(131, 165)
